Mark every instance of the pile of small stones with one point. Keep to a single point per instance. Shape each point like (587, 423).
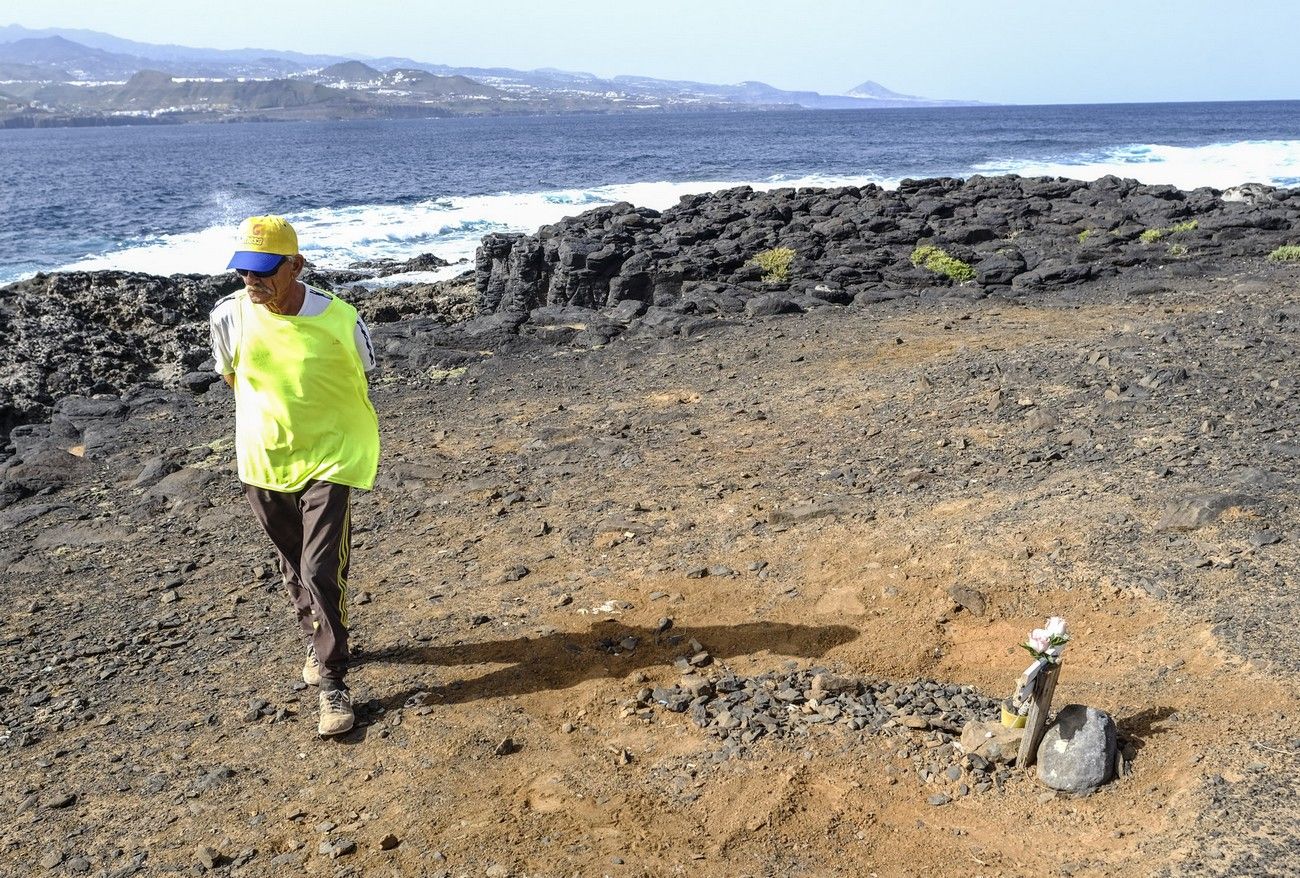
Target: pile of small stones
(927, 715)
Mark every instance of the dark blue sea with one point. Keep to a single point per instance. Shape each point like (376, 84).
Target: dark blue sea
(166, 199)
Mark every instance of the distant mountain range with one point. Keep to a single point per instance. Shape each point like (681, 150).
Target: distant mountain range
(58, 76)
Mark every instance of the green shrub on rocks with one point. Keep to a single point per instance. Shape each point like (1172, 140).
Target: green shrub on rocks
(1286, 253)
(923, 252)
(1085, 235)
(775, 264)
(1150, 236)
(1177, 249)
(934, 259)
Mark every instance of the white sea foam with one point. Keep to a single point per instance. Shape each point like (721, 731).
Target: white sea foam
(1220, 165)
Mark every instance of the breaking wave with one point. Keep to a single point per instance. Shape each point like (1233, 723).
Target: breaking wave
(1219, 165)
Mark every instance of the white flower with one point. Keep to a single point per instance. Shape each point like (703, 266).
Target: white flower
(1056, 626)
(1039, 640)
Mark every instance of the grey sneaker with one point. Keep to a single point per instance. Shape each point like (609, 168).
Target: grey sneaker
(335, 712)
(311, 669)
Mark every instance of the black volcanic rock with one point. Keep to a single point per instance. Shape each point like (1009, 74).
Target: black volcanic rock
(386, 267)
(98, 332)
(1029, 233)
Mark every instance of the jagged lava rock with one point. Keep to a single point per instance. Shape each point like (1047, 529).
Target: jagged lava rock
(1030, 234)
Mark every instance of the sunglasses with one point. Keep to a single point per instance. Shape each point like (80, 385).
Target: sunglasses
(242, 272)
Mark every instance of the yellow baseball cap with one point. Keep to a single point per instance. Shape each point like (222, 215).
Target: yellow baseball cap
(263, 241)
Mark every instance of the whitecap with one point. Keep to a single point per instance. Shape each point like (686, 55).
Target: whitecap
(1219, 165)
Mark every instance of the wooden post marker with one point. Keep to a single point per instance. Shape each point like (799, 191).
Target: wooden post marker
(1040, 705)
(1036, 687)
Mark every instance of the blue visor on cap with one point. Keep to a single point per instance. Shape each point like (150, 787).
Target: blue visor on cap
(250, 260)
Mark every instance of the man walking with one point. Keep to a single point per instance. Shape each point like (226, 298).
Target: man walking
(305, 435)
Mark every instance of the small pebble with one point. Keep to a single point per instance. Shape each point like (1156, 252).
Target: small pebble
(208, 857)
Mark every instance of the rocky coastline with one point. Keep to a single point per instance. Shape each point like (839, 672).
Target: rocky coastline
(626, 270)
(1018, 235)
(675, 567)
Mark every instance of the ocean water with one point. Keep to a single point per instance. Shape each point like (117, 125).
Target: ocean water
(167, 199)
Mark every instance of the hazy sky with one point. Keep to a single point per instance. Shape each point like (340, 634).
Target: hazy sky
(1014, 51)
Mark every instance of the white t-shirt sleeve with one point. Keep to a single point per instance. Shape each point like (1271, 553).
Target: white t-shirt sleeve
(221, 323)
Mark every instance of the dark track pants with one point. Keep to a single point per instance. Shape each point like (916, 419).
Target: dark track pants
(311, 529)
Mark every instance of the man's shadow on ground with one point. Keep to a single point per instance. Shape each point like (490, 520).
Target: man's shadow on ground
(562, 659)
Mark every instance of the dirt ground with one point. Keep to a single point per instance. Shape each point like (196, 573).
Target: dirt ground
(548, 502)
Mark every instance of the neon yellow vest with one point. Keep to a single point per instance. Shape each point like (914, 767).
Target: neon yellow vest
(301, 406)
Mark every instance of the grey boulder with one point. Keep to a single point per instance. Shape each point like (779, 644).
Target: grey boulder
(771, 305)
(1077, 753)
